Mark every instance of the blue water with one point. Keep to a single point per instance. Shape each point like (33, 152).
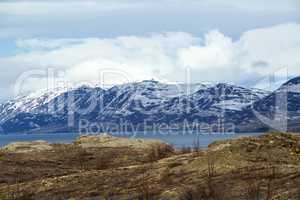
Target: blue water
(177, 139)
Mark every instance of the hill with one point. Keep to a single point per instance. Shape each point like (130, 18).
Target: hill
(264, 167)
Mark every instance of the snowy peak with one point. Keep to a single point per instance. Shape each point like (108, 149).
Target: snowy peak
(227, 97)
(292, 85)
(150, 93)
(28, 103)
(294, 81)
(148, 100)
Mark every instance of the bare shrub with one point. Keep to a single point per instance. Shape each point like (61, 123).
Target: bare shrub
(194, 193)
(185, 150)
(271, 176)
(108, 189)
(260, 185)
(145, 191)
(298, 191)
(214, 191)
(210, 172)
(19, 175)
(208, 191)
(196, 147)
(2, 154)
(157, 152)
(102, 161)
(82, 158)
(166, 177)
(253, 189)
(26, 196)
(108, 195)
(16, 193)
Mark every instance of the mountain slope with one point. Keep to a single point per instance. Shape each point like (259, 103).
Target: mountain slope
(280, 110)
(28, 103)
(134, 103)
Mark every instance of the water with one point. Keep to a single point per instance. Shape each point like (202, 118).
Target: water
(51, 138)
(177, 139)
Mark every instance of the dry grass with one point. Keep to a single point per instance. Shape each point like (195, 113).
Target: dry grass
(243, 169)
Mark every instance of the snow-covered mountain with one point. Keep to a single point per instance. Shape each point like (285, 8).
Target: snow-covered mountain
(279, 110)
(28, 103)
(134, 103)
(146, 96)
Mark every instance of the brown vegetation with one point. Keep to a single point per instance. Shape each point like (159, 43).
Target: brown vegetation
(262, 168)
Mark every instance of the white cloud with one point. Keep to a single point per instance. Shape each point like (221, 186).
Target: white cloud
(36, 43)
(278, 46)
(260, 53)
(216, 57)
(135, 57)
(217, 51)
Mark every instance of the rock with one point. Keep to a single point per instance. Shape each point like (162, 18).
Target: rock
(106, 140)
(26, 147)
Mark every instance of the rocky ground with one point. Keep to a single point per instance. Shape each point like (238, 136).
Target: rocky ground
(105, 167)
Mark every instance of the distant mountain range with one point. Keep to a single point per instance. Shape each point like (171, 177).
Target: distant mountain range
(149, 104)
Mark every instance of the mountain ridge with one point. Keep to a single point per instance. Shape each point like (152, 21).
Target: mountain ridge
(149, 100)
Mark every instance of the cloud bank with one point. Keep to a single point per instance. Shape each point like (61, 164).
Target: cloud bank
(111, 18)
(168, 56)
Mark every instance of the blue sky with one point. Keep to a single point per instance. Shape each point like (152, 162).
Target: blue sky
(208, 36)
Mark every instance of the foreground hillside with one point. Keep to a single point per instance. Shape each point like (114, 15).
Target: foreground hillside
(105, 167)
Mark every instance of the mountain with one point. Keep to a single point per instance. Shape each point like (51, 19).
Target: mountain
(48, 110)
(279, 110)
(132, 104)
(28, 103)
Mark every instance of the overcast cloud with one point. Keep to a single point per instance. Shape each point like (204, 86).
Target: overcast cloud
(165, 56)
(112, 18)
(240, 42)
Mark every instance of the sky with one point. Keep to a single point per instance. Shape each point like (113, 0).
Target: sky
(251, 43)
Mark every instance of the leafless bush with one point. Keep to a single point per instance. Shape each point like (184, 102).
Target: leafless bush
(82, 158)
(102, 161)
(260, 184)
(298, 191)
(185, 150)
(16, 193)
(253, 189)
(271, 176)
(157, 152)
(210, 172)
(144, 190)
(19, 173)
(196, 147)
(26, 196)
(2, 154)
(108, 195)
(214, 191)
(208, 191)
(193, 193)
(166, 177)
